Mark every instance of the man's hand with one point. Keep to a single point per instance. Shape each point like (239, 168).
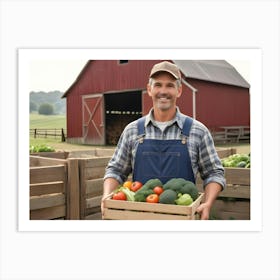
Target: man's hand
(110, 184)
(104, 197)
(204, 210)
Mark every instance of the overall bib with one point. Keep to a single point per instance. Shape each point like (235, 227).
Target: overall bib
(162, 159)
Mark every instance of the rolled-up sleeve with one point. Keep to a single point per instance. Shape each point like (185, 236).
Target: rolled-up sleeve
(209, 163)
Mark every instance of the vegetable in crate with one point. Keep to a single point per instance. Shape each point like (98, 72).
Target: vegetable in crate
(158, 190)
(191, 189)
(136, 186)
(152, 198)
(147, 189)
(152, 183)
(119, 196)
(127, 184)
(184, 199)
(142, 194)
(129, 194)
(180, 185)
(175, 184)
(237, 160)
(123, 193)
(168, 197)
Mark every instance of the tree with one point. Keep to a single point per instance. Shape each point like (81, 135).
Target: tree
(46, 109)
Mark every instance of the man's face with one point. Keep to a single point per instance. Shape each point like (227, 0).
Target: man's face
(164, 91)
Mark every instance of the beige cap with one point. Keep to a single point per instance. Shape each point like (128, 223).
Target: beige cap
(166, 66)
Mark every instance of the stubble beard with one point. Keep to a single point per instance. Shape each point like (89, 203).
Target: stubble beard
(164, 102)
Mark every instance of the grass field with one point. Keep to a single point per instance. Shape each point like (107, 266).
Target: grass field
(43, 121)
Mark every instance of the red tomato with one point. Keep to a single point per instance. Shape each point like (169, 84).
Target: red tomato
(119, 196)
(135, 186)
(152, 198)
(158, 190)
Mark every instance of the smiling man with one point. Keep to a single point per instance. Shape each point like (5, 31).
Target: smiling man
(166, 144)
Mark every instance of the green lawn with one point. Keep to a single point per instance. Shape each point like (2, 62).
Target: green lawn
(44, 121)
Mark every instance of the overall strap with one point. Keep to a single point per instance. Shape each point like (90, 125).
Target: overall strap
(187, 126)
(141, 126)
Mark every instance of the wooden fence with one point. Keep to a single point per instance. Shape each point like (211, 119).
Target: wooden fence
(48, 133)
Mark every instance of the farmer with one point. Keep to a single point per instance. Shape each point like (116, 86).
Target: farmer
(166, 144)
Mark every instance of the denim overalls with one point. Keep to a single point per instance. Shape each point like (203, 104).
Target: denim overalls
(162, 159)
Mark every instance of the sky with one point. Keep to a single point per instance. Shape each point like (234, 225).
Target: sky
(50, 75)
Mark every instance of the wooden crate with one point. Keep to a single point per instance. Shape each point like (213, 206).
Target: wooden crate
(234, 202)
(129, 210)
(69, 188)
(225, 152)
(91, 172)
(92, 153)
(58, 155)
(54, 188)
(48, 179)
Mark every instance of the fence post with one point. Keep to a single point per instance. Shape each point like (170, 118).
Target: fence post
(62, 135)
(35, 131)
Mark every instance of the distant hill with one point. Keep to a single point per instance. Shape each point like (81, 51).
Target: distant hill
(51, 97)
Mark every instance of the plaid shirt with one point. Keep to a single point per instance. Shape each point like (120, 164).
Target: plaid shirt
(204, 158)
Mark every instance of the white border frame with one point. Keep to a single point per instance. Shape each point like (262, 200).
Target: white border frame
(253, 56)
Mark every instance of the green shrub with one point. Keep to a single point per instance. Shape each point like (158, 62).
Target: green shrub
(46, 109)
(40, 148)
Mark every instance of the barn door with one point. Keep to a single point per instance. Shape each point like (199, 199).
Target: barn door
(93, 120)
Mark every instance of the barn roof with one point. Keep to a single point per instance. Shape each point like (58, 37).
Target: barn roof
(77, 79)
(219, 71)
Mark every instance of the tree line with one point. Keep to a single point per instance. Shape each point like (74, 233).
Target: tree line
(47, 103)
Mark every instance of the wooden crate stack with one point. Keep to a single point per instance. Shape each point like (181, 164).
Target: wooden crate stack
(69, 188)
(234, 202)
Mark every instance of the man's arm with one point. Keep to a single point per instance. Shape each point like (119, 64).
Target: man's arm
(110, 184)
(211, 192)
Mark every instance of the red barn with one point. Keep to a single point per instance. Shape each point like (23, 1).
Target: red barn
(108, 94)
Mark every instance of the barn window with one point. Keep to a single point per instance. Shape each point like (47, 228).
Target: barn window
(123, 61)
